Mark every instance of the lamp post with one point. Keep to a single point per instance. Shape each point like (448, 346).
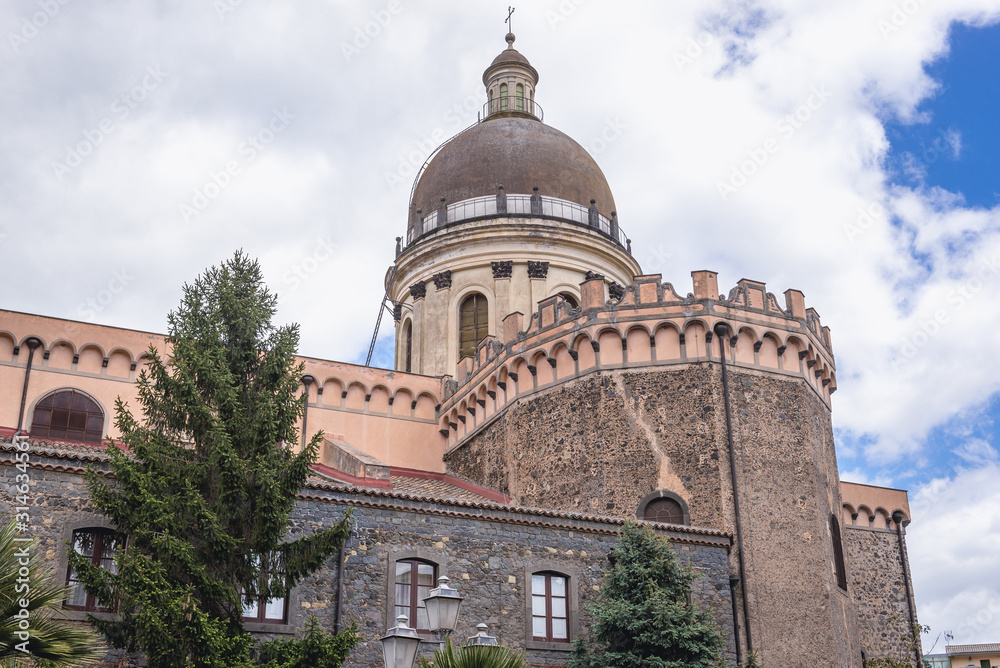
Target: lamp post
(400, 645)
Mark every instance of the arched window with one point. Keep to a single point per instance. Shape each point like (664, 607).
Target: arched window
(413, 582)
(100, 546)
(570, 299)
(664, 510)
(408, 347)
(519, 93)
(503, 97)
(549, 607)
(68, 415)
(474, 322)
(491, 101)
(665, 507)
(838, 553)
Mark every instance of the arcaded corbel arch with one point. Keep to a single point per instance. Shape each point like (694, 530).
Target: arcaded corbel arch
(7, 345)
(120, 362)
(523, 379)
(334, 392)
(611, 346)
(379, 399)
(639, 344)
(695, 338)
(748, 344)
(425, 406)
(87, 351)
(792, 354)
(402, 401)
(865, 513)
(355, 396)
(767, 350)
(848, 514)
(581, 341)
(465, 423)
(883, 515)
(667, 339)
(565, 360)
(542, 367)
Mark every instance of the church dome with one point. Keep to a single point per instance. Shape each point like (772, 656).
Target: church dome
(519, 153)
(510, 153)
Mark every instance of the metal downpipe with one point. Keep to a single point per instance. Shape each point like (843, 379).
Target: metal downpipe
(721, 331)
(32, 343)
(897, 517)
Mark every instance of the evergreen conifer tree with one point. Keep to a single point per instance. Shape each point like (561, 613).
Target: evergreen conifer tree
(643, 618)
(205, 481)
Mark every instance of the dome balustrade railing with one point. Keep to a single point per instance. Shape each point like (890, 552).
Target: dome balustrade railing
(512, 104)
(521, 206)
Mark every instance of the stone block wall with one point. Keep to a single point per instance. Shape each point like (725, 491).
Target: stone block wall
(876, 582)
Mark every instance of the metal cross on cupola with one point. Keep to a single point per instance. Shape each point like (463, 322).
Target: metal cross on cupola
(510, 24)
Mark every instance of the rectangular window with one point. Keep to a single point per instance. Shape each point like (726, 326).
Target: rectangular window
(265, 611)
(549, 608)
(99, 546)
(413, 583)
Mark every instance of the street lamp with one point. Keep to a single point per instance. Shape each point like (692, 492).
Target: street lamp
(442, 606)
(400, 644)
(482, 637)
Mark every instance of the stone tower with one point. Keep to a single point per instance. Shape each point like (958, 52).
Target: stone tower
(505, 214)
(581, 385)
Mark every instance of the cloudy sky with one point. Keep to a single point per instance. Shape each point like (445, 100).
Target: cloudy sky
(847, 149)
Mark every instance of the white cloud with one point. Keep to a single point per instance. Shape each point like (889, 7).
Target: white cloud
(954, 549)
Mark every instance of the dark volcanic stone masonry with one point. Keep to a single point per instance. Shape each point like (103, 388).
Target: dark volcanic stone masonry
(602, 442)
(877, 586)
(488, 550)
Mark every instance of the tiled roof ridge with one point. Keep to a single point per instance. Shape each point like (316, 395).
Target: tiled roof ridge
(524, 510)
(462, 503)
(972, 649)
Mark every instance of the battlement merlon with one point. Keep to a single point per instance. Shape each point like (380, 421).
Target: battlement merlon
(648, 322)
(747, 299)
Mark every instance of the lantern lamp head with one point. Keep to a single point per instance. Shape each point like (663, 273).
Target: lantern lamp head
(442, 605)
(400, 645)
(482, 637)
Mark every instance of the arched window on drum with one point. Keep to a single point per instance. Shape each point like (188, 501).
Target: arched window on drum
(473, 324)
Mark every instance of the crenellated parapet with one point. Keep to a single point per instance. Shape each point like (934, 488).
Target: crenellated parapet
(646, 324)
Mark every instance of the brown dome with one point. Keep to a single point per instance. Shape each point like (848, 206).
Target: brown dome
(510, 56)
(518, 153)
